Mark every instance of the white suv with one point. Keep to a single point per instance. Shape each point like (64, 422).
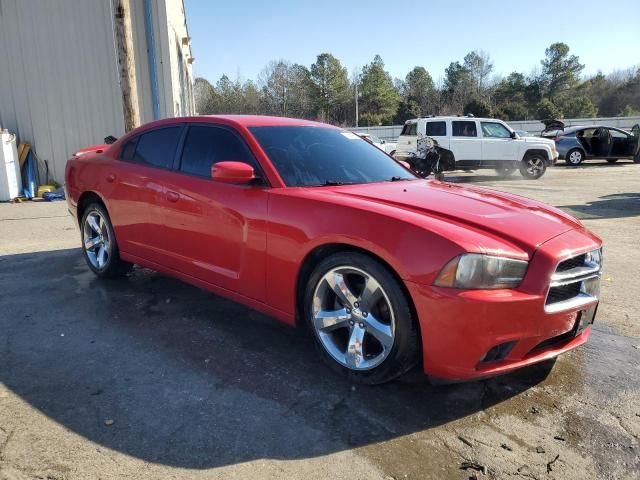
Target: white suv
(480, 143)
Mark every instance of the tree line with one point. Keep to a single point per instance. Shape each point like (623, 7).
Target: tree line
(325, 91)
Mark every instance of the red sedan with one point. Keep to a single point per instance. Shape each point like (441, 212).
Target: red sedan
(312, 225)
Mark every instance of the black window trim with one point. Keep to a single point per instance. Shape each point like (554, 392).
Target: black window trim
(259, 171)
(137, 139)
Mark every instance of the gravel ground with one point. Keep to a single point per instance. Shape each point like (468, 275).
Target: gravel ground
(147, 377)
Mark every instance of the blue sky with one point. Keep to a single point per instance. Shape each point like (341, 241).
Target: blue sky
(239, 37)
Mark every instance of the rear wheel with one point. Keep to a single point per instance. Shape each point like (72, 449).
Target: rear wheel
(533, 166)
(574, 157)
(360, 318)
(99, 243)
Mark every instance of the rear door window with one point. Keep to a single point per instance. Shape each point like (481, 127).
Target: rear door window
(436, 129)
(158, 147)
(208, 145)
(463, 128)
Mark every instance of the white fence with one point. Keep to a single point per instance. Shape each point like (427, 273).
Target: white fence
(391, 132)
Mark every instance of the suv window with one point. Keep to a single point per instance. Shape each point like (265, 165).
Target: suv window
(464, 128)
(207, 145)
(410, 129)
(494, 130)
(158, 147)
(436, 129)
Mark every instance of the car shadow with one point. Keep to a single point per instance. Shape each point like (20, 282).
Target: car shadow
(618, 205)
(160, 370)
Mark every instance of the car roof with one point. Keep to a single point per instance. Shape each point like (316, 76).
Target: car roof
(238, 120)
(454, 117)
(576, 128)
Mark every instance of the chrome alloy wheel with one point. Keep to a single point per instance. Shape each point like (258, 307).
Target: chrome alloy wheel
(535, 166)
(353, 318)
(96, 240)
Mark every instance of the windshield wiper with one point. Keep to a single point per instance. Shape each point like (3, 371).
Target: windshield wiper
(334, 183)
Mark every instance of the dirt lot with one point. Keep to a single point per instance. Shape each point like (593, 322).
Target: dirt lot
(147, 377)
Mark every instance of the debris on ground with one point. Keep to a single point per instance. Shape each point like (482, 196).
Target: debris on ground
(558, 437)
(535, 410)
(550, 464)
(465, 441)
(539, 450)
(474, 466)
(506, 447)
(109, 422)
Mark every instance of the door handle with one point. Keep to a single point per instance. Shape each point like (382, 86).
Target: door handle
(111, 178)
(172, 196)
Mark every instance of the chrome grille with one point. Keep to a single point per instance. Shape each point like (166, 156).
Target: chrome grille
(576, 282)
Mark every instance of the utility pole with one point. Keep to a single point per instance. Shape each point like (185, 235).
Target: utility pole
(126, 64)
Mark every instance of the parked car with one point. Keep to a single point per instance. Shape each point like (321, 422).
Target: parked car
(578, 143)
(480, 143)
(388, 147)
(312, 225)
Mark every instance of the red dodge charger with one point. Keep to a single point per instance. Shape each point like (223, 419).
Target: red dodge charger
(313, 225)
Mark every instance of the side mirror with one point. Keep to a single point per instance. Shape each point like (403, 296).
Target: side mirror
(232, 172)
(383, 142)
(514, 135)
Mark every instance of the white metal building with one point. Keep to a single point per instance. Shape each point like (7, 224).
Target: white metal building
(62, 70)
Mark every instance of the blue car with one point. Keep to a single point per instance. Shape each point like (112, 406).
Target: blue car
(576, 144)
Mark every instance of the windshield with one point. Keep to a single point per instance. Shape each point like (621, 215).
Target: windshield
(308, 156)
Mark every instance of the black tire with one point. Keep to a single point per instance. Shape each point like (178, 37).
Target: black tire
(403, 354)
(392, 154)
(612, 160)
(533, 166)
(574, 157)
(113, 266)
(636, 159)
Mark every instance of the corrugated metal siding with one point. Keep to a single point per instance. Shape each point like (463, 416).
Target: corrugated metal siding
(59, 85)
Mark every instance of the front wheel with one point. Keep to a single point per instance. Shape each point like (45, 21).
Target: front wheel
(361, 318)
(574, 157)
(533, 167)
(99, 243)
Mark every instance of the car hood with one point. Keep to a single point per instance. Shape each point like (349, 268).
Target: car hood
(546, 141)
(522, 221)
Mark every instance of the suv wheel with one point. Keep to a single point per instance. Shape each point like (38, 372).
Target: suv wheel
(533, 166)
(574, 157)
(360, 318)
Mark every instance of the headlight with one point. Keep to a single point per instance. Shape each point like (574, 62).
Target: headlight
(477, 271)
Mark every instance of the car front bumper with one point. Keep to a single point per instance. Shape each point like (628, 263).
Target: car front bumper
(471, 334)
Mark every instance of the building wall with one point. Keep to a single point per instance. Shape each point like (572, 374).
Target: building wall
(59, 85)
(59, 75)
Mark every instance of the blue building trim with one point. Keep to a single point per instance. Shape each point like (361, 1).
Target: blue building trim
(151, 56)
